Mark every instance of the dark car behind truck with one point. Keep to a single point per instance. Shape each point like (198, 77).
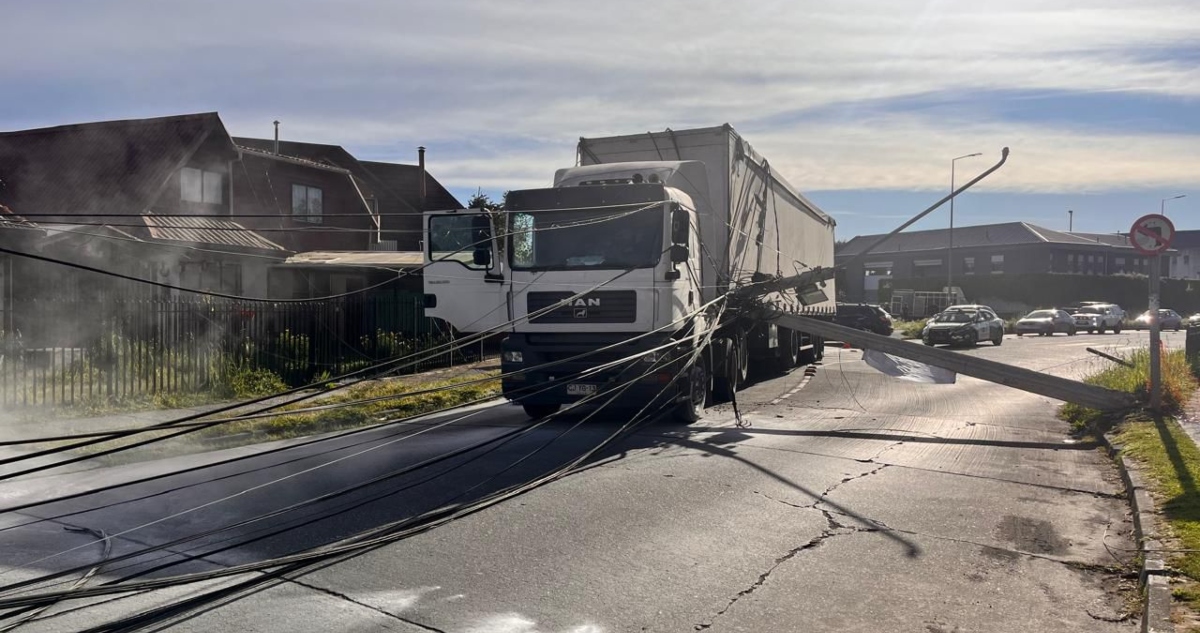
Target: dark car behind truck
(866, 317)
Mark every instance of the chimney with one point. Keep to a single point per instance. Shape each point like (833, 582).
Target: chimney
(277, 137)
(421, 164)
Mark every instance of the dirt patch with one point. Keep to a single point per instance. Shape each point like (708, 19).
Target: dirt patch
(1036, 536)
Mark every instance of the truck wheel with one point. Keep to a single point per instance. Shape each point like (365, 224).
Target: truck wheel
(741, 358)
(539, 411)
(789, 351)
(697, 391)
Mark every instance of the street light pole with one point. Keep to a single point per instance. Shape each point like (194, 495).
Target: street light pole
(950, 250)
(1162, 205)
(1070, 220)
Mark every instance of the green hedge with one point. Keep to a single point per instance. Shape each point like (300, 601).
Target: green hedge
(1017, 293)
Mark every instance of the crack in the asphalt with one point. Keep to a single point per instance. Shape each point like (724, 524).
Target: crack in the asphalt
(834, 529)
(786, 503)
(347, 598)
(846, 480)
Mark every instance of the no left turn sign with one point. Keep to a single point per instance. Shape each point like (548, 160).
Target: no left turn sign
(1152, 234)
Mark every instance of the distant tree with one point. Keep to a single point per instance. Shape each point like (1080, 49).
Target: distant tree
(494, 209)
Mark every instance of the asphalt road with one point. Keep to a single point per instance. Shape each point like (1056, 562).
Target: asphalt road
(851, 502)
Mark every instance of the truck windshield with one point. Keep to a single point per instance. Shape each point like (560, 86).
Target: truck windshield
(623, 237)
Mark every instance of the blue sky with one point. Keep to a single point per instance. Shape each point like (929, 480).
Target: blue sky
(860, 104)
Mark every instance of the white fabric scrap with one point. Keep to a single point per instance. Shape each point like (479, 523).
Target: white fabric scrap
(909, 370)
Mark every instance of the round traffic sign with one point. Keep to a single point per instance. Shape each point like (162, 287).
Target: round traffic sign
(1152, 234)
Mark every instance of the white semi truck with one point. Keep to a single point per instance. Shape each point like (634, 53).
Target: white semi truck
(657, 228)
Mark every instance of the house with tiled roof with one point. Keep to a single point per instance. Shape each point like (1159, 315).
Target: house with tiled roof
(149, 198)
(176, 199)
(990, 249)
(398, 193)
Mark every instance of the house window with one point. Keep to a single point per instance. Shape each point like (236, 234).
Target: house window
(231, 278)
(926, 267)
(997, 264)
(969, 265)
(198, 185)
(306, 203)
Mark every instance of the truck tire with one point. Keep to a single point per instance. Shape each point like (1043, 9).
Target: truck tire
(697, 392)
(736, 368)
(788, 352)
(539, 411)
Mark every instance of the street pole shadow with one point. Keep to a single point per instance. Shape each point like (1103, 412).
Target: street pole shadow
(718, 446)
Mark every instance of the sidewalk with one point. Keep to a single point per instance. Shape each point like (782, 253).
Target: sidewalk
(24, 426)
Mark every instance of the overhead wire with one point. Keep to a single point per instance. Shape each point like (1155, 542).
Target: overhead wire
(672, 381)
(387, 533)
(391, 365)
(542, 366)
(388, 365)
(170, 425)
(620, 389)
(222, 295)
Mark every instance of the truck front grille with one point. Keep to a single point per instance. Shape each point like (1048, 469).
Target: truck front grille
(609, 306)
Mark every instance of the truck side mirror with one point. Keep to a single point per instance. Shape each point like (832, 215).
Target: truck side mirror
(679, 226)
(679, 253)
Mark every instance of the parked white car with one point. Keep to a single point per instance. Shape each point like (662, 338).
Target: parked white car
(1099, 317)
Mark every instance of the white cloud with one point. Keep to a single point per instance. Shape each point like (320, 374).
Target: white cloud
(501, 90)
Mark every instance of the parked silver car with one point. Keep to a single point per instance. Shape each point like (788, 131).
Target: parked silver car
(1167, 320)
(1046, 323)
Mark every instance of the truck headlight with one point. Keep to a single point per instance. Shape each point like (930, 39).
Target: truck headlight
(513, 356)
(654, 357)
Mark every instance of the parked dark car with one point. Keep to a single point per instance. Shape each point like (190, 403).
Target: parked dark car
(862, 316)
(1167, 320)
(1046, 323)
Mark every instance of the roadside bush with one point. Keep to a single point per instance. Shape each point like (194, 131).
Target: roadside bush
(1178, 383)
(242, 381)
(909, 329)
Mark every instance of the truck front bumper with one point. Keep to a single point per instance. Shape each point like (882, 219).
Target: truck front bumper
(561, 373)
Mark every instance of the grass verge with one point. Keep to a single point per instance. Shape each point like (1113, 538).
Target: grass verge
(289, 425)
(1178, 383)
(1172, 462)
(1162, 448)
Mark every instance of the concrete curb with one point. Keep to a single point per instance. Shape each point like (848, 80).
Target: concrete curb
(1156, 613)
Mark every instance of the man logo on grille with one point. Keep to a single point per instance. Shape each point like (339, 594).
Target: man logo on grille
(580, 313)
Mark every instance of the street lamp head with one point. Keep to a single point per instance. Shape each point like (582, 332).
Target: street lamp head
(966, 156)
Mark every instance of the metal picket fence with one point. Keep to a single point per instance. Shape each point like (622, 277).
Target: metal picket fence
(63, 352)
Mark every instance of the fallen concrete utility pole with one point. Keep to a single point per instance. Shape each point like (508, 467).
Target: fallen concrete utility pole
(991, 371)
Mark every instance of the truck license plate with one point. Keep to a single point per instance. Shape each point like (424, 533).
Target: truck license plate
(580, 389)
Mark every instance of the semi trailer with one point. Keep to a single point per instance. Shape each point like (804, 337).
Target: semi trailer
(623, 272)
